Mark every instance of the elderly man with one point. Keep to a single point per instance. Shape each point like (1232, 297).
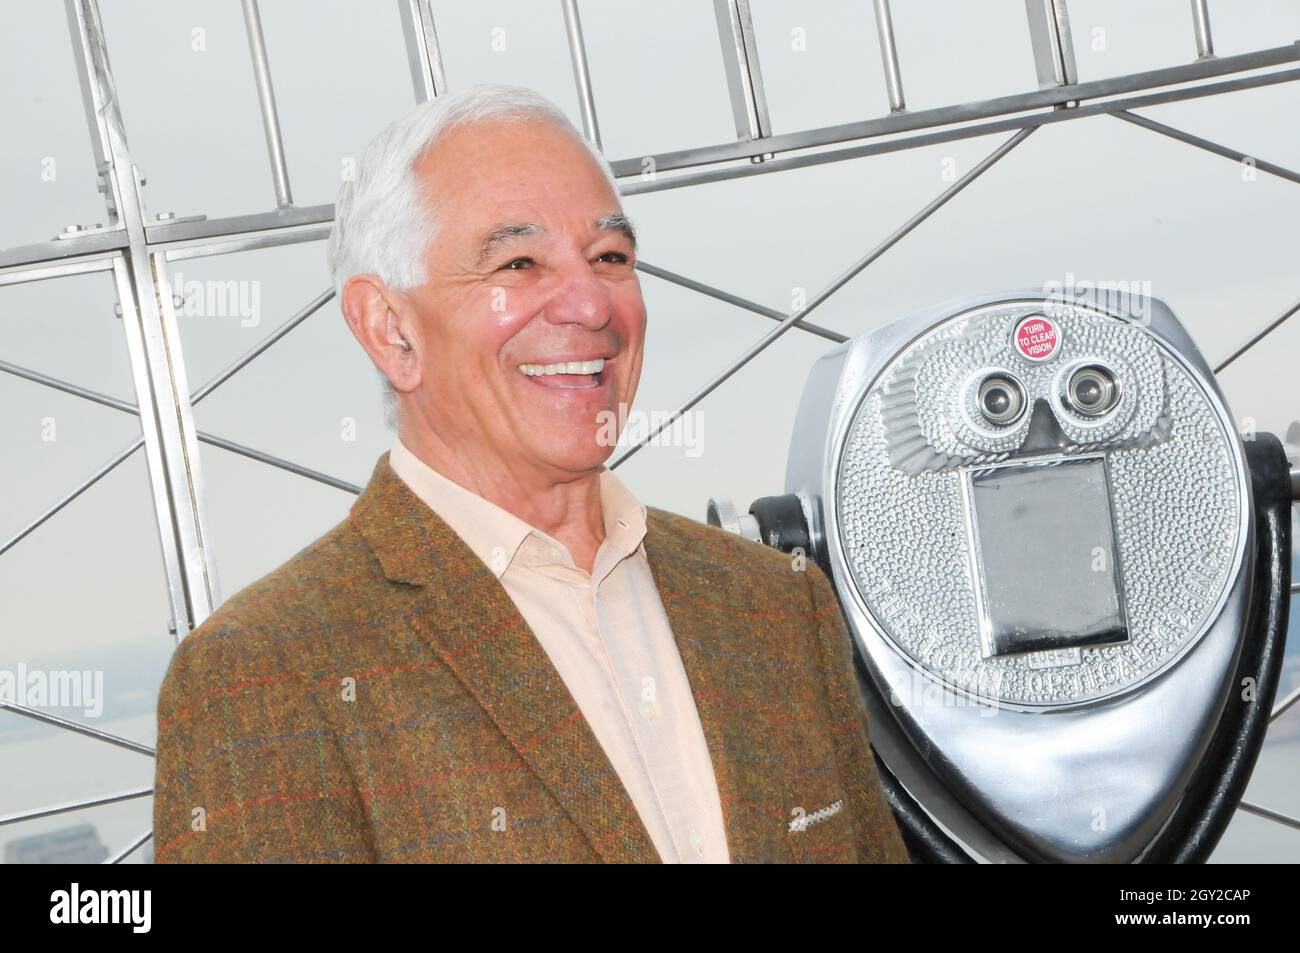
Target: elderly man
(501, 655)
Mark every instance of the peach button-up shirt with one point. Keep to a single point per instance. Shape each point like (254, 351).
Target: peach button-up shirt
(608, 636)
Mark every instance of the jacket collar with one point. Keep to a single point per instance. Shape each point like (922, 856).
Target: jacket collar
(468, 620)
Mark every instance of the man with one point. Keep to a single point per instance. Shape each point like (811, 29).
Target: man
(501, 655)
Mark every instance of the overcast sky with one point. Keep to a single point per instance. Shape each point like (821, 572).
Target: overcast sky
(1096, 198)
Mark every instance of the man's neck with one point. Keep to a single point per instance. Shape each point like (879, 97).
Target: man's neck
(569, 509)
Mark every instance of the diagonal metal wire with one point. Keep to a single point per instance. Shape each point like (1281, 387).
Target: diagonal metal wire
(1256, 338)
(821, 297)
(1219, 150)
(68, 806)
(1265, 813)
(76, 726)
(1280, 708)
(127, 407)
(738, 301)
(275, 461)
(130, 848)
(240, 363)
(94, 478)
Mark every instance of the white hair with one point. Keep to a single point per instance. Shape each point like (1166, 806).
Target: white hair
(382, 222)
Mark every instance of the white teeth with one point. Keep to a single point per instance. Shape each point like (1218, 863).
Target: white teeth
(572, 367)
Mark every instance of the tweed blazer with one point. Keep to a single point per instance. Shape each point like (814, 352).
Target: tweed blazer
(380, 698)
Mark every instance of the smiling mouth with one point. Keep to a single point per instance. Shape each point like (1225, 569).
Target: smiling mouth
(567, 375)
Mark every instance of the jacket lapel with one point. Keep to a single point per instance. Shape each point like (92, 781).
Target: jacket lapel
(689, 585)
(471, 623)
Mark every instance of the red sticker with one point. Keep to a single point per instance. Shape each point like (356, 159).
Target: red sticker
(1036, 338)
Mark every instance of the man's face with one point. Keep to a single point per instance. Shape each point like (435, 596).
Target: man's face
(529, 268)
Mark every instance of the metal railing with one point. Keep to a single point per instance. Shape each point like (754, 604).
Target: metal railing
(137, 250)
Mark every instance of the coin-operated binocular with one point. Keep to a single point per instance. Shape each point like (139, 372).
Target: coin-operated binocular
(1066, 574)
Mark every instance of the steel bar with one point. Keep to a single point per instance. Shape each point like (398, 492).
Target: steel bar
(423, 55)
(91, 264)
(243, 360)
(154, 369)
(98, 475)
(581, 73)
(741, 66)
(1201, 23)
(738, 301)
(889, 56)
(638, 186)
(983, 166)
(985, 109)
(130, 848)
(248, 241)
(1235, 154)
(68, 806)
(1049, 35)
(166, 234)
(266, 102)
(199, 560)
(76, 727)
(77, 246)
(282, 464)
(1257, 337)
(1265, 813)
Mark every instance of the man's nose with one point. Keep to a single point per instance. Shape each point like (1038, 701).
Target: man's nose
(581, 298)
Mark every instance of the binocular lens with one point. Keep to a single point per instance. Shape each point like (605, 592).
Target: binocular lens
(1092, 390)
(1001, 399)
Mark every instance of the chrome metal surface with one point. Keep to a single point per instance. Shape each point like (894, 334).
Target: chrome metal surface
(1037, 774)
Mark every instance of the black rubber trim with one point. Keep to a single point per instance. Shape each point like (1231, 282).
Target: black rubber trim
(1218, 785)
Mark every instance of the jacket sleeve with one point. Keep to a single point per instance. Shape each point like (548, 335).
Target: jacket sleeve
(879, 840)
(247, 772)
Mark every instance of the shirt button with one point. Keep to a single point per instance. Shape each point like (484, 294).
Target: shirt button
(649, 711)
(697, 842)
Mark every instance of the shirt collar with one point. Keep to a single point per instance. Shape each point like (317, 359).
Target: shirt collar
(495, 534)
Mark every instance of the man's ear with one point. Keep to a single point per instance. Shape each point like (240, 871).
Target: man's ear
(380, 320)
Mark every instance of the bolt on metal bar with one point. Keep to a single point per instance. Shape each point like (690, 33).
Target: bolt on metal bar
(1265, 813)
(738, 301)
(1228, 153)
(266, 102)
(581, 73)
(1256, 338)
(1201, 23)
(889, 56)
(130, 849)
(821, 297)
(68, 806)
(98, 475)
(744, 75)
(423, 55)
(76, 726)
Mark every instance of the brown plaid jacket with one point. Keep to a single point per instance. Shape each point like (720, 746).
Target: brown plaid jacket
(380, 698)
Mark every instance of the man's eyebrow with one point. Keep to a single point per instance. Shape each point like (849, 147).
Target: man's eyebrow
(505, 233)
(618, 223)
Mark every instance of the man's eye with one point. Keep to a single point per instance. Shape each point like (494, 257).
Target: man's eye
(615, 256)
(517, 264)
